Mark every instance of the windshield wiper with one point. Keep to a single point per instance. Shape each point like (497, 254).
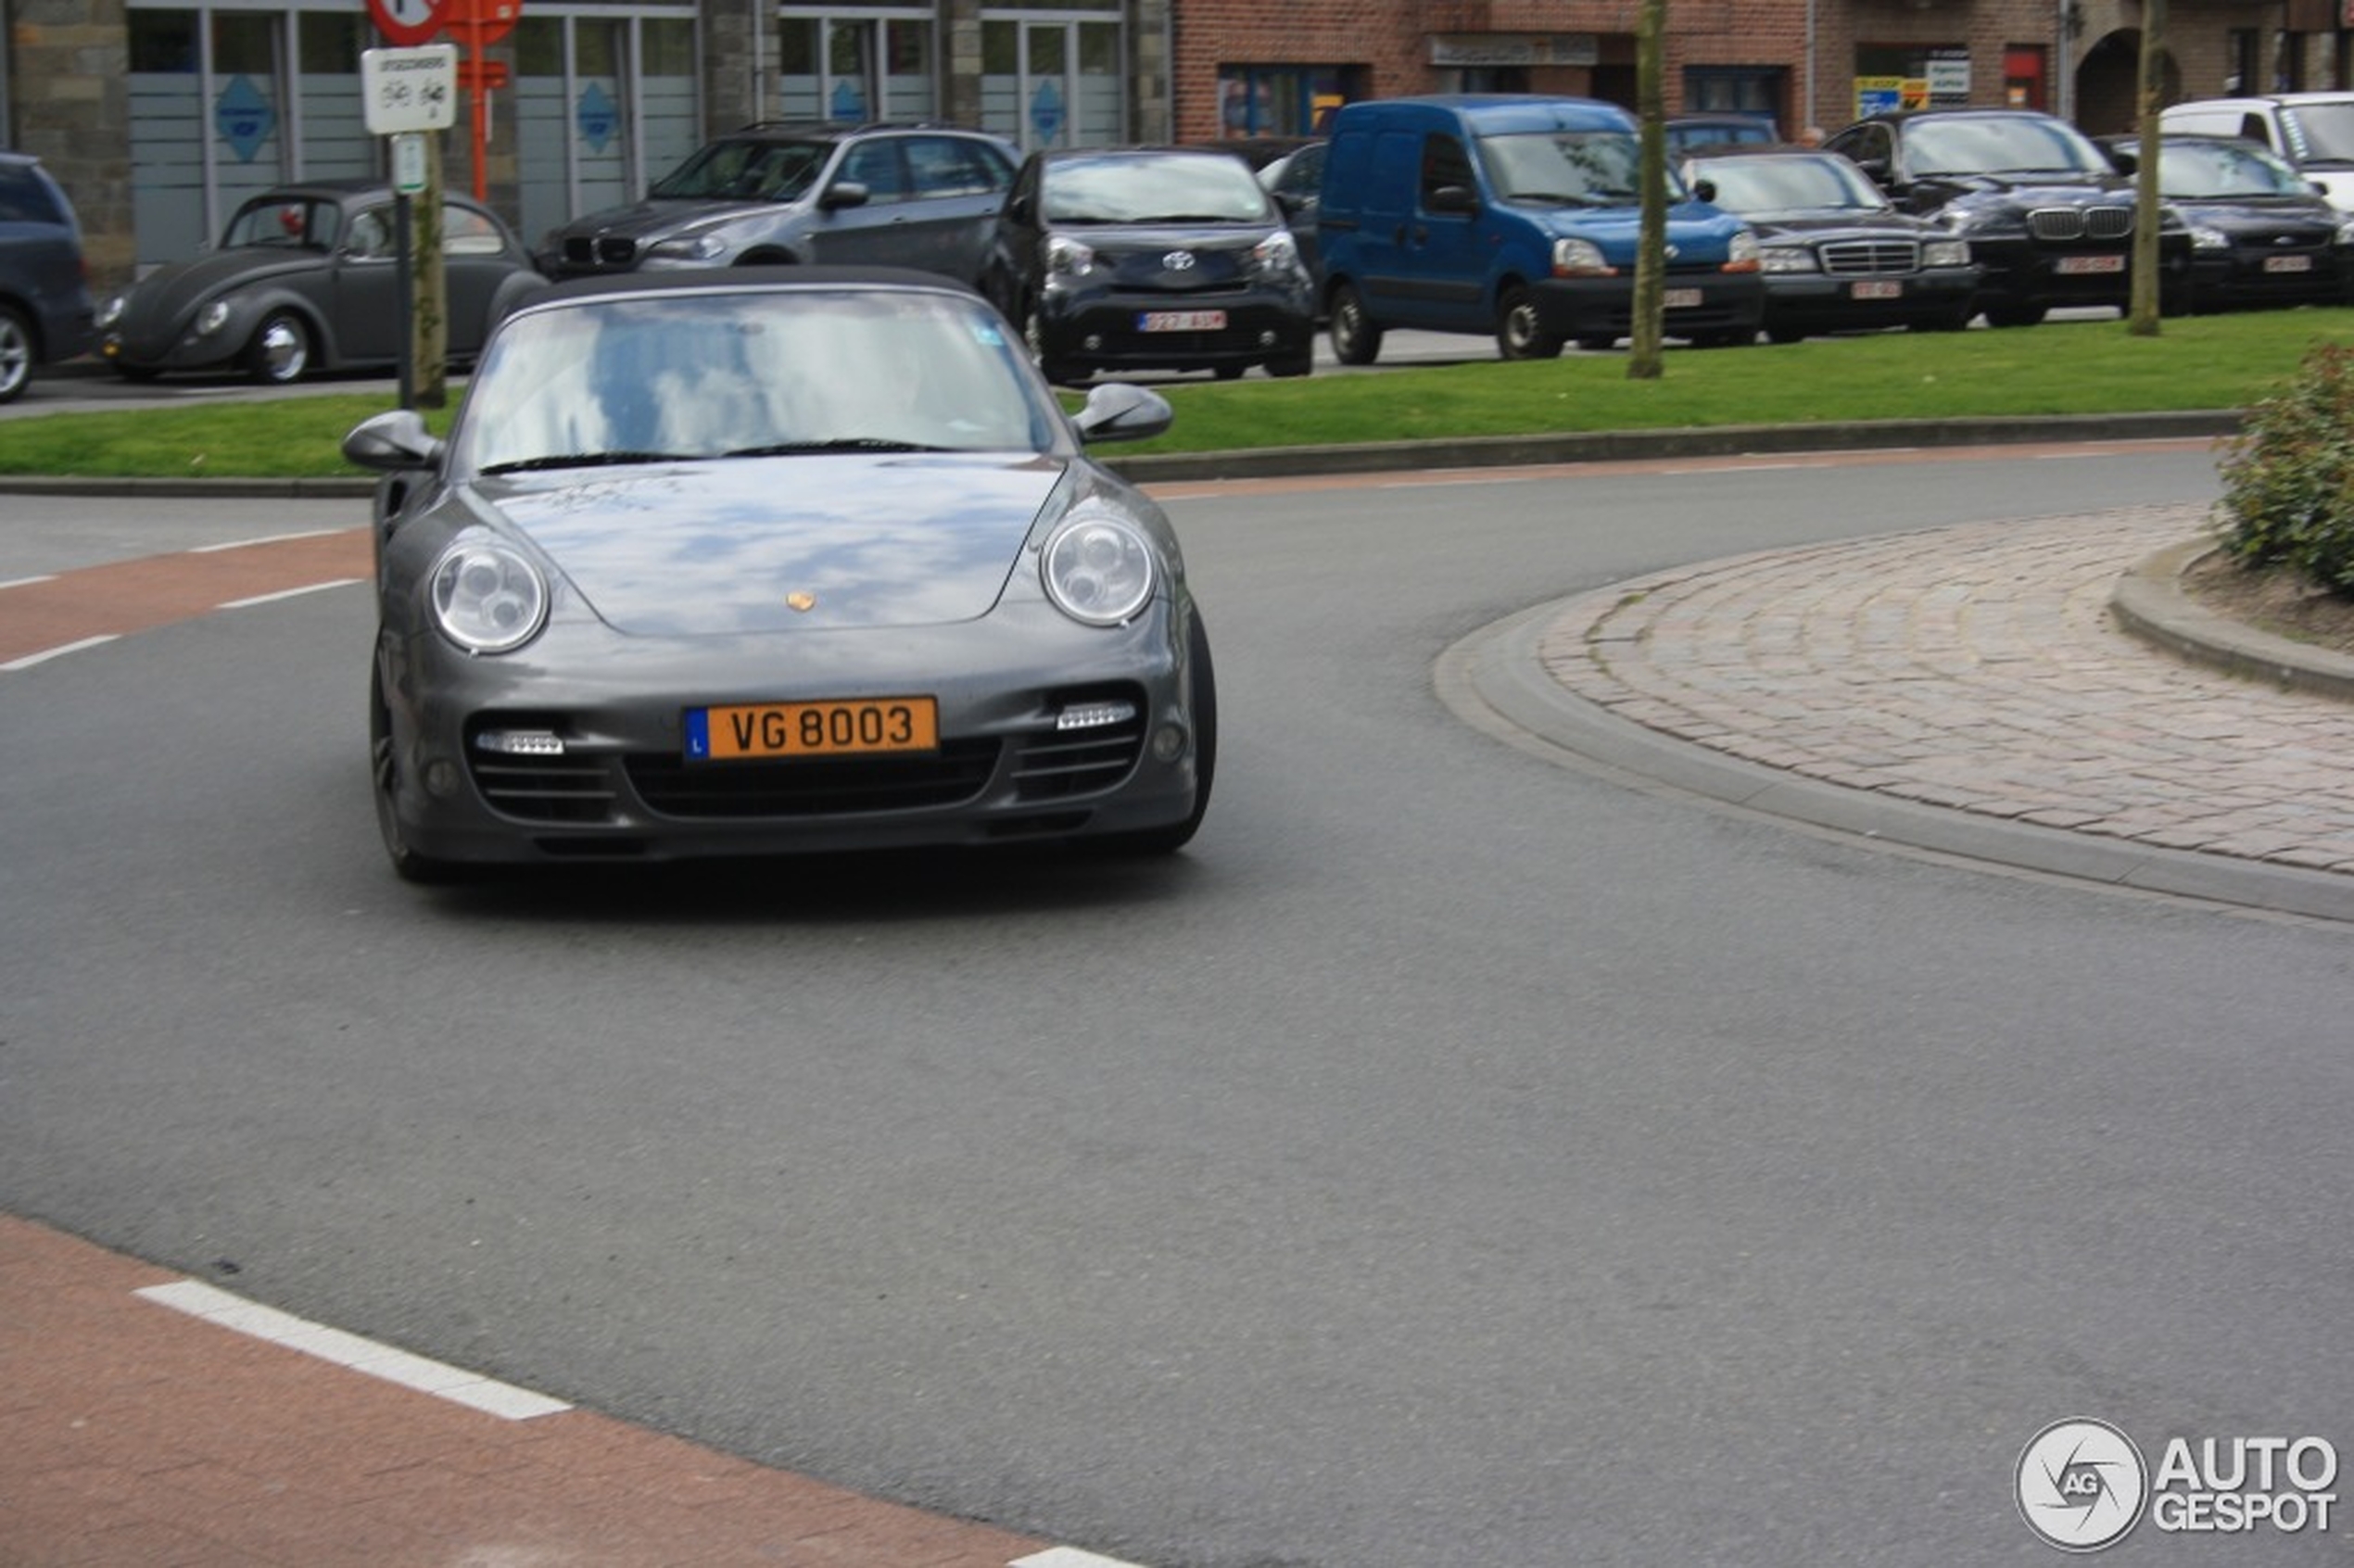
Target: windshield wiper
(840, 444)
(585, 460)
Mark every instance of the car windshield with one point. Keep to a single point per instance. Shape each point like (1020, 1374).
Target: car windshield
(1586, 168)
(740, 373)
(1788, 184)
(2325, 132)
(1997, 144)
(284, 221)
(1152, 188)
(2189, 169)
(746, 170)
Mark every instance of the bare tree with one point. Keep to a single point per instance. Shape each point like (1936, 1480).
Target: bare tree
(1644, 362)
(2141, 313)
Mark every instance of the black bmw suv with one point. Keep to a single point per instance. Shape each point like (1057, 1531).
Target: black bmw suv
(2045, 213)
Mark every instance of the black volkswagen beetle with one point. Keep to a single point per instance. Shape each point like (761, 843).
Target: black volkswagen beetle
(307, 278)
(762, 559)
(2261, 234)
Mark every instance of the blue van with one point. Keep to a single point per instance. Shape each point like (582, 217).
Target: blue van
(1515, 214)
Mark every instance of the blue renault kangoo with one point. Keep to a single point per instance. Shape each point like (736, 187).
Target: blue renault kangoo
(1517, 214)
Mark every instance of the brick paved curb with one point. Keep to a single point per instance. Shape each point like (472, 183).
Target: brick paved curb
(1958, 691)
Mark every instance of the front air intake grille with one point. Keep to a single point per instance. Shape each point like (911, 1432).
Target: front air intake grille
(823, 787)
(1864, 259)
(1057, 765)
(571, 789)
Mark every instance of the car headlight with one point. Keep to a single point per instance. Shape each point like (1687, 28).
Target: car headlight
(2205, 238)
(1098, 568)
(1068, 258)
(690, 247)
(1580, 258)
(1945, 253)
(111, 312)
(2346, 231)
(1785, 258)
(212, 318)
(1741, 253)
(487, 595)
(1276, 258)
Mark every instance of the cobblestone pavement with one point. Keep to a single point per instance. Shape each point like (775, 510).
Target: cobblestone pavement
(1977, 668)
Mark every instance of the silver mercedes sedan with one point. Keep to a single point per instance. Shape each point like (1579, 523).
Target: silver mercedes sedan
(756, 561)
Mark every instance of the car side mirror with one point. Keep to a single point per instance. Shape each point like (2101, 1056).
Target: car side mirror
(1453, 199)
(1878, 169)
(842, 194)
(1705, 190)
(393, 443)
(1122, 410)
(1019, 208)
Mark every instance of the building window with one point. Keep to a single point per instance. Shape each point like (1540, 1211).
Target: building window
(604, 104)
(1053, 82)
(857, 67)
(1736, 90)
(1281, 100)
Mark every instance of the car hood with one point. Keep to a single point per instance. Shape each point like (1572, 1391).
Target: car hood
(1817, 223)
(1699, 231)
(658, 217)
(732, 546)
(2286, 213)
(165, 297)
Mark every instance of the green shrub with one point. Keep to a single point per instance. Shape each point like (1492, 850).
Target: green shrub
(2288, 477)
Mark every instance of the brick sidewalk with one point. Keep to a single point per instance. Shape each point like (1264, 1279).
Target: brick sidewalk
(135, 1434)
(1977, 668)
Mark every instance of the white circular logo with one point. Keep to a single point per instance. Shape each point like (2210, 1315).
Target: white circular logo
(2082, 1485)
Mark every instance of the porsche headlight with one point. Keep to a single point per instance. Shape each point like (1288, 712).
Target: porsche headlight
(487, 595)
(212, 318)
(1098, 569)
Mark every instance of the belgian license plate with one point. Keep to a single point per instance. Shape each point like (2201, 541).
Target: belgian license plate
(847, 728)
(2288, 263)
(1684, 298)
(2077, 266)
(1876, 288)
(1181, 320)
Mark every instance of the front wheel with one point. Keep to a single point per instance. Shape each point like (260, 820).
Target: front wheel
(384, 761)
(1520, 330)
(2013, 313)
(279, 354)
(15, 353)
(1355, 335)
(1203, 679)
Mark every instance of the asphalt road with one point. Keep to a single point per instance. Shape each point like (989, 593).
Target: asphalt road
(1454, 1158)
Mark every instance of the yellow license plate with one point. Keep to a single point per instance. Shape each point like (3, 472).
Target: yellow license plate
(845, 729)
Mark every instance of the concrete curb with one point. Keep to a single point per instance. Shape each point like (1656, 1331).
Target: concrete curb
(2150, 601)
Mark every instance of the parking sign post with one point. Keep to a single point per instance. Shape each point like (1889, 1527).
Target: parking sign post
(408, 96)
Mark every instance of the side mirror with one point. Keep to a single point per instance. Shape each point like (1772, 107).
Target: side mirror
(1705, 190)
(1019, 208)
(1453, 199)
(393, 443)
(1120, 410)
(842, 194)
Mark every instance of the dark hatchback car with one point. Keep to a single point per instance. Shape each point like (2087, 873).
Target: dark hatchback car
(2045, 212)
(1137, 259)
(306, 277)
(2261, 234)
(1836, 255)
(894, 194)
(44, 290)
(1297, 182)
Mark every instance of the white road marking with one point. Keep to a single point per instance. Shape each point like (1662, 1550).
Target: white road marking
(28, 582)
(59, 652)
(1067, 1557)
(264, 540)
(287, 593)
(456, 1383)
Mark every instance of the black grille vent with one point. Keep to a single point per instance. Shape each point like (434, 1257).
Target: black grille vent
(672, 787)
(2063, 223)
(1856, 259)
(571, 789)
(1061, 765)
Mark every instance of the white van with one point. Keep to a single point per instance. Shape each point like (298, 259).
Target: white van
(2312, 131)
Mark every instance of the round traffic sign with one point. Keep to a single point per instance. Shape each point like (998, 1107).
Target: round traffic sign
(406, 22)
